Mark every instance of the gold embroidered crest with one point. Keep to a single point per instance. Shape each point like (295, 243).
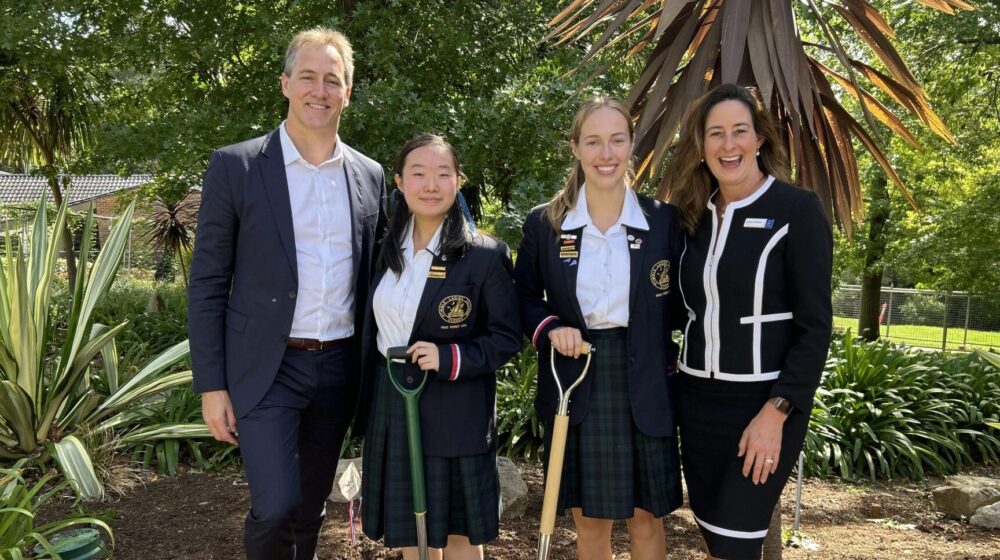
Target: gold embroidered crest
(455, 309)
(659, 275)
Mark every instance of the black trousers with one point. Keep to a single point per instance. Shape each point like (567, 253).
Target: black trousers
(290, 444)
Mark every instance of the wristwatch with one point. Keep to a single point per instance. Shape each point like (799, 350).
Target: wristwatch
(781, 403)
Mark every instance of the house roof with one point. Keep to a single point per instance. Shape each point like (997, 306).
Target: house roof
(15, 188)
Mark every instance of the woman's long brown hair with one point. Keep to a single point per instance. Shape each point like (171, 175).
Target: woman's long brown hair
(689, 181)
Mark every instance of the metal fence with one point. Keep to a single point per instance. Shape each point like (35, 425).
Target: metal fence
(945, 320)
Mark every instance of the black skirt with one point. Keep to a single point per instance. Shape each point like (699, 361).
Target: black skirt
(611, 467)
(732, 512)
(463, 493)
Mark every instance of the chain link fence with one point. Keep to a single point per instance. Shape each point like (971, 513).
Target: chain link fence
(945, 320)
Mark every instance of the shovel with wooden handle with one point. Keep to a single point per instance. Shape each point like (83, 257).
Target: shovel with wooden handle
(411, 398)
(553, 476)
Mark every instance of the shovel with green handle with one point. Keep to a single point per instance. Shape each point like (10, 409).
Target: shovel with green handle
(411, 394)
(553, 475)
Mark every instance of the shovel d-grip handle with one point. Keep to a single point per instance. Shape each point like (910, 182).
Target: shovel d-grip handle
(557, 452)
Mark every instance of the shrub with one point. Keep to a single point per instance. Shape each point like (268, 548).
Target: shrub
(518, 430)
(885, 410)
(50, 389)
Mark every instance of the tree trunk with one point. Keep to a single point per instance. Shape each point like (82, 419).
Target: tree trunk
(772, 542)
(871, 279)
(67, 234)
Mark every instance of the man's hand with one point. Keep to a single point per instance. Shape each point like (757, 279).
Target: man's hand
(217, 410)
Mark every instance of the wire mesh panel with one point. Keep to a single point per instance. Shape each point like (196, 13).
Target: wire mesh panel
(946, 320)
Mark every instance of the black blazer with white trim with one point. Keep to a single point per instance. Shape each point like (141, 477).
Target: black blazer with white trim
(757, 293)
(470, 313)
(546, 286)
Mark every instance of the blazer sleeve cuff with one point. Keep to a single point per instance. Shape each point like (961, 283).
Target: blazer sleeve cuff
(541, 333)
(449, 362)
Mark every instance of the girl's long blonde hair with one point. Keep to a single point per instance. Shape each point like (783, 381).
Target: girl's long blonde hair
(565, 200)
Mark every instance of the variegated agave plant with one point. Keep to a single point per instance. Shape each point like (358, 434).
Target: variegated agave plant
(694, 45)
(47, 397)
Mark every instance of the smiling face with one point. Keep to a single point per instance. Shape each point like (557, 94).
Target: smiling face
(429, 181)
(316, 90)
(731, 145)
(603, 148)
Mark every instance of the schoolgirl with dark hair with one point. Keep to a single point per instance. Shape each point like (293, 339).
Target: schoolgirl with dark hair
(446, 292)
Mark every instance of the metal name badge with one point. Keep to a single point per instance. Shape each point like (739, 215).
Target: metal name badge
(759, 223)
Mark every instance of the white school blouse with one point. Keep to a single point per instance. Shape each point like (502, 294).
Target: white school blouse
(396, 298)
(602, 283)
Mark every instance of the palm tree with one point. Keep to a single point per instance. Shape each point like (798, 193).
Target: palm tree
(694, 45)
(44, 120)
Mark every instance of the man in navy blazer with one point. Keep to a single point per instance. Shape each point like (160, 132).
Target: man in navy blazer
(279, 278)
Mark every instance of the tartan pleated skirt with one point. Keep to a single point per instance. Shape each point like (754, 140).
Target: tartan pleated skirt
(611, 467)
(463, 493)
(732, 512)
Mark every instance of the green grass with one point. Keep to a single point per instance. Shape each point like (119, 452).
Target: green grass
(930, 337)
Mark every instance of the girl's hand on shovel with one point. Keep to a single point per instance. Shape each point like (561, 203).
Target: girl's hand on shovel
(425, 355)
(567, 341)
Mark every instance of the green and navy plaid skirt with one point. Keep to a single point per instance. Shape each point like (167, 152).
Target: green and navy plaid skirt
(611, 467)
(463, 493)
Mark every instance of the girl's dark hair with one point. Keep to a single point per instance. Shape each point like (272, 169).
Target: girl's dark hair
(689, 181)
(455, 232)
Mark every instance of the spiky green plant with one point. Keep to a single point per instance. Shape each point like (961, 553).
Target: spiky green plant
(46, 389)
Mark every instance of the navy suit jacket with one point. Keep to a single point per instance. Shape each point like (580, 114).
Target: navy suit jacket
(244, 279)
(546, 285)
(474, 338)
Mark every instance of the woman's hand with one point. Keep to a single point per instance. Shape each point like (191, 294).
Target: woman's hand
(425, 355)
(567, 341)
(761, 444)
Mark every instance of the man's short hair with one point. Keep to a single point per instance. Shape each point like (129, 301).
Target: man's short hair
(321, 37)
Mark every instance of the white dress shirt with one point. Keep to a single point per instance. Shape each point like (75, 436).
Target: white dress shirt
(397, 298)
(602, 282)
(321, 220)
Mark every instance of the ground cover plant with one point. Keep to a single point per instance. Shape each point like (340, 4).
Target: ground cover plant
(20, 500)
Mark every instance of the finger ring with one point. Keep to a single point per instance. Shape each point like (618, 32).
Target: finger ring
(769, 461)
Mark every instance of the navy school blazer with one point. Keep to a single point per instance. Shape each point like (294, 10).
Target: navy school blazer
(471, 314)
(244, 272)
(546, 286)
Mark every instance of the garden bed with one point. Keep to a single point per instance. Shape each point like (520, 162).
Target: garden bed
(200, 516)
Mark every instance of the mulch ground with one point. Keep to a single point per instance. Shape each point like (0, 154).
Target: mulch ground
(198, 515)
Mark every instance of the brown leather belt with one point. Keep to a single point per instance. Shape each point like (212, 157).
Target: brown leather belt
(313, 344)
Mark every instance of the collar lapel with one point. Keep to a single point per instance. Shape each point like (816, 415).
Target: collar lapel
(272, 170)
(357, 208)
(636, 249)
(570, 265)
(431, 289)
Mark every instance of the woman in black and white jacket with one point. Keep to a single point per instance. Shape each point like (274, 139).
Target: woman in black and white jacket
(755, 282)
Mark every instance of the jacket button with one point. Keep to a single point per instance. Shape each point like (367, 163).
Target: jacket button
(291, 295)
